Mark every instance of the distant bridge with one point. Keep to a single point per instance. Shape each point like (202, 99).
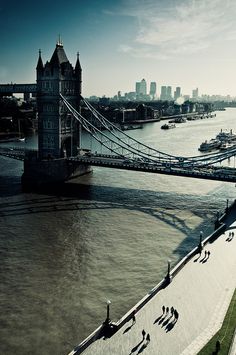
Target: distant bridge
(6, 89)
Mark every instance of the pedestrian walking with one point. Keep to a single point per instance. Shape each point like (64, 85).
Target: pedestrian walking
(167, 309)
(163, 309)
(208, 253)
(172, 310)
(143, 334)
(148, 337)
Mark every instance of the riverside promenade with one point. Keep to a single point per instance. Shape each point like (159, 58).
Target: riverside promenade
(200, 293)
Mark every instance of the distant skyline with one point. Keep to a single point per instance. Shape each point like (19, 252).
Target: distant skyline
(186, 43)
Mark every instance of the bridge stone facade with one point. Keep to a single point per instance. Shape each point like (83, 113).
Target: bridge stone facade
(58, 132)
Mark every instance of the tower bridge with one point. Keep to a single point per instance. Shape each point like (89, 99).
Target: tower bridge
(60, 155)
(6, 89)
(26, 89)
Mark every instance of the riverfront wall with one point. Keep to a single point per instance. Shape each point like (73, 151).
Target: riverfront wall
(104, 329)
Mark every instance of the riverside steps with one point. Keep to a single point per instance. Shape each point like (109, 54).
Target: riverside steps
(199, 289)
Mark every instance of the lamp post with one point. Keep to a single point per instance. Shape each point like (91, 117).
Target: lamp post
(200, 242)
(168, 277)
(108, 312)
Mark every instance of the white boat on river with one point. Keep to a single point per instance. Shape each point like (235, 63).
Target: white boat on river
(209, 145)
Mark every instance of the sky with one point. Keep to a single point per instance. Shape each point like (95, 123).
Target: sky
(186, 43)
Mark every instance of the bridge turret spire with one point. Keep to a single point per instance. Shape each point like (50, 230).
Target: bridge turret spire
(78, 68)
(40, 62)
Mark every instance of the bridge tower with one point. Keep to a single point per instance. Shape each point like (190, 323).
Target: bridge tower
(58, 132)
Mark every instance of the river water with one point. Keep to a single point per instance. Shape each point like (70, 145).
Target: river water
(106, 235)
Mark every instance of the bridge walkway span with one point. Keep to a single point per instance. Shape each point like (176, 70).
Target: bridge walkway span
(116, 163)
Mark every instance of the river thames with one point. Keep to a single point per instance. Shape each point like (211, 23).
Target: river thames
(106, 235)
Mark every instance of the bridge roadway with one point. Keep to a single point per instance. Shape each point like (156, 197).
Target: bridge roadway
(115, 162)
(110, 161)
(200, 292)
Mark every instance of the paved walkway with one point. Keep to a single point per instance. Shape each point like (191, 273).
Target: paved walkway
(201, 293)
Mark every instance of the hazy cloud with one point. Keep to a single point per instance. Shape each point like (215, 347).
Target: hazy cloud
(170, 28)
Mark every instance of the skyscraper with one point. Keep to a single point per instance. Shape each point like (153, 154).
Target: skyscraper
(163, 95)
(153, 89)
(177, 93)
(195, 93)
(169, 92)
(137, 88)
(143, 87)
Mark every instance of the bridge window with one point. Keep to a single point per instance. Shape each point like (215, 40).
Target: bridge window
(49, 108)
(49, 141)
(47, 85)
(47, 124)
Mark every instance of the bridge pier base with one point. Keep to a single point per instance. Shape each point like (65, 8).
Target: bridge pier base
(47, 172)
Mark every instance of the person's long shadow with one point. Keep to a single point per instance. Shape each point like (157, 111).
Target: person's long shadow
(162, 319)
(206, 259)
(143, 347)
(128, 328)
(136, 346)
(171, 325)
(166, 321)
(158, 319)
(230, 238)
(195, 260)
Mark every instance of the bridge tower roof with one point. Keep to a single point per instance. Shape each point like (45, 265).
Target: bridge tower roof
(59, 55)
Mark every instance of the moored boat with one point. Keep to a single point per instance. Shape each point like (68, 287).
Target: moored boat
(126, 127)
(227, 145)
(209, 145)
(168, 126)
(225, 136)
(178, 120)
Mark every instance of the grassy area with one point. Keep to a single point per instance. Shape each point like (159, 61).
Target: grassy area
(225, 334)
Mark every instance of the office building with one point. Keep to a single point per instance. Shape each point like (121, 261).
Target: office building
(153, 89)
(195, 94)
(141, 88)
(177, 93)
(169, 92)
(163, 95)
